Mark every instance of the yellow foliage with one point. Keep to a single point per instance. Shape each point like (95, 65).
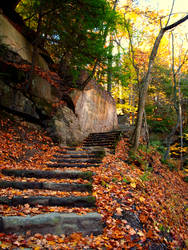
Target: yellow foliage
(123, 93)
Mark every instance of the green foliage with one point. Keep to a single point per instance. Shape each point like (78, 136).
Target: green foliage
(185, 178)
(158, 146)
(72, 31)
(160, 118)
(169, 163)
(126, 180)
(164, 229)
(145, 176)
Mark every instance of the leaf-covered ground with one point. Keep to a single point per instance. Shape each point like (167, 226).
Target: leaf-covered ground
(142, 202)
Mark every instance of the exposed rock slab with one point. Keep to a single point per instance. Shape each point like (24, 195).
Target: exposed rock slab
(54, 223)
(18, 43)
(95, 108)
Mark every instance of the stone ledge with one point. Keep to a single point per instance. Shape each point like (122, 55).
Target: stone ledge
(54, 223)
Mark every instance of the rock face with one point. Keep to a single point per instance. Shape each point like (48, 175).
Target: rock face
(65, 127)
(89, 110)
(16, 101)
(95, 108)
(11, 36)
(18, 43)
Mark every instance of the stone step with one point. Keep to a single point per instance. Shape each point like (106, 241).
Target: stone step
(71, 201)
(68, 187)
(89, 152)
(62, 160)
(48, 174)
(72, 149)
(106, 133)
(68, 148)
(102, 137)
(74, 156)
(99, 144)
(99, 141)
(53, 223)
(62, 165)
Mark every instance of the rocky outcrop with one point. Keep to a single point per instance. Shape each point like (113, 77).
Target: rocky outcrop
(16, 101)
(95, 108)
(64, 126)
(89, 109)
(17, 42)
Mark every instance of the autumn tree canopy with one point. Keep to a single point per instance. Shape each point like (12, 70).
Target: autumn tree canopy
(73, 32)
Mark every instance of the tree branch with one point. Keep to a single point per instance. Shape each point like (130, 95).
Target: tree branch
(176, 23)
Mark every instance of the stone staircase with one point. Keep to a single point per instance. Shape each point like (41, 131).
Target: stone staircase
(77, 160)
(105, 139)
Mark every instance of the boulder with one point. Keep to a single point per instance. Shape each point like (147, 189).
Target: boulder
(95, 109)
(65, 127)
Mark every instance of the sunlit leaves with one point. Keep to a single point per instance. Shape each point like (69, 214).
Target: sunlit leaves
(157, 201)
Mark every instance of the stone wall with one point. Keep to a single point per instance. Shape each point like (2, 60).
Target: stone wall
(95, 109)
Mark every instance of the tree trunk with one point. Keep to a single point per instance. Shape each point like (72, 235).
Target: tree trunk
(143, 92)
(146, 81)
(109, 70)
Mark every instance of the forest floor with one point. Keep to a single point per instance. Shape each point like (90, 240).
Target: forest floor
(142, 202)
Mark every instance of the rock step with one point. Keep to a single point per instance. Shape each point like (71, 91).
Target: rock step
(48, 174)
(68, 148)
(89, 152)
(102, 137)
(62, 165)
(72, 148)
(99, 144)
(62, 160)
(53, 223)
(99, 141)
(68, 187)
(75, 156)
(71, 201)
(106, 133)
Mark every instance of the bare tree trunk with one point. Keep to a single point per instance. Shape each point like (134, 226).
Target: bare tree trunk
(181, 125)
(109, 71)
(177, 104)
(143, 92)
(146, 81)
